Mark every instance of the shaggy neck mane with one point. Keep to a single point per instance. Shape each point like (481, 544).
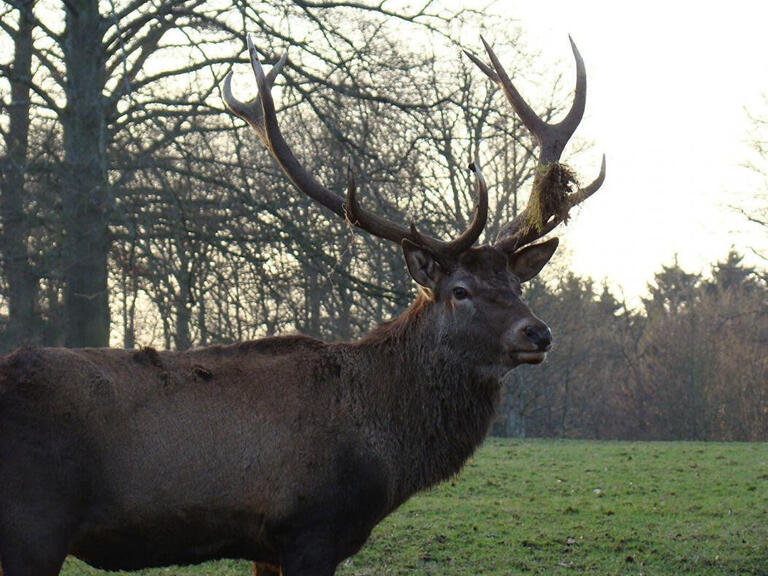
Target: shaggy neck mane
(399, 327)
(439, 404)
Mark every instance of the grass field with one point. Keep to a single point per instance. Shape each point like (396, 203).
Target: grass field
(572, 507)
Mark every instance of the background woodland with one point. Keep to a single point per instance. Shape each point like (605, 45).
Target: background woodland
(135, 211)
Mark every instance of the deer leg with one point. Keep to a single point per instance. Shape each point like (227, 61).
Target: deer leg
(43, 493)
(311, 551)
(24, 566)
(338, 524)
(258, 570)
(37, 523)
(36, 553)
(303, 565)
(34, 538)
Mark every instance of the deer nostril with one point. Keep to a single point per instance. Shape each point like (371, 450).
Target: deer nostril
(541, 336)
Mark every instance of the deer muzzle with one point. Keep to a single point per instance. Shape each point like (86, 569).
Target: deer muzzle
(528, 341)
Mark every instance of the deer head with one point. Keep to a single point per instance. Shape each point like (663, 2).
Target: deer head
(474, 293)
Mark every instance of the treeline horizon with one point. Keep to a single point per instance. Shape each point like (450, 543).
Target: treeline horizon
(689, 363)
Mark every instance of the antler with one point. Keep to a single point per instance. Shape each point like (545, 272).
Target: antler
(553, 195)
(260, 114)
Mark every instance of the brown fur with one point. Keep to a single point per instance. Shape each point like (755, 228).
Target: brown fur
(286, 451)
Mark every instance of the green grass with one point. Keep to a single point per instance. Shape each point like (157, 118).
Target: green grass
(573, 507)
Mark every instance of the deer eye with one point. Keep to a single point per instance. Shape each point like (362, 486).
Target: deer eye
(460, 293)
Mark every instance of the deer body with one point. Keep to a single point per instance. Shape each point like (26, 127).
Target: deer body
(241, 451)
(286, 451)
(158, 464)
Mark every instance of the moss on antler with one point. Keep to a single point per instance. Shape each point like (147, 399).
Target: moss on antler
(549, 197)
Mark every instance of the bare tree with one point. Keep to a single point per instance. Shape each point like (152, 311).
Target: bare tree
(117, 70)
(14, 235)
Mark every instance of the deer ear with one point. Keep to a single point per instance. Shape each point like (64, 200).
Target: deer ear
(421, 265)
(528, 262)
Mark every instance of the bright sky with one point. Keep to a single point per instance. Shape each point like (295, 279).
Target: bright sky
(669, 84)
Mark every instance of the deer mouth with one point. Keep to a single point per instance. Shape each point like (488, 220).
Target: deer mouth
(527, 356)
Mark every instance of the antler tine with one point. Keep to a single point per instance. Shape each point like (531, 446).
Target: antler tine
(444, 252)
(275, 69)
(482, 65)
(248, 111)
(551, 198)
(519, 232)
(532, 122)
(583, 193)
(552, 138)
(261, 115)
(568, 125)
(253, 110)
(475, 228)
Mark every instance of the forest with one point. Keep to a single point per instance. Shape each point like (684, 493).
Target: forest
(135, 211)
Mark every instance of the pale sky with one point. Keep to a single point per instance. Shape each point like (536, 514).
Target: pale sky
(669, 84)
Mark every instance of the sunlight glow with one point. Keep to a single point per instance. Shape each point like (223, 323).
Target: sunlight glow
(670, 85)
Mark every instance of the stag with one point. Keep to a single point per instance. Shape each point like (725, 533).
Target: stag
(286, 451)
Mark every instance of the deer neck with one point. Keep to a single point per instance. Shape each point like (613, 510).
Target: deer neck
(436, 403)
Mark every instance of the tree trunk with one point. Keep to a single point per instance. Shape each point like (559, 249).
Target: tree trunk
(312, 303)
(84, 186)
(23, 326)
(345, 298)
(201, 320)
(129, 295)
(183, 308)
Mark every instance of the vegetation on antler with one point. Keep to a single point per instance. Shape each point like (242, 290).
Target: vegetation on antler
(552, 186)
